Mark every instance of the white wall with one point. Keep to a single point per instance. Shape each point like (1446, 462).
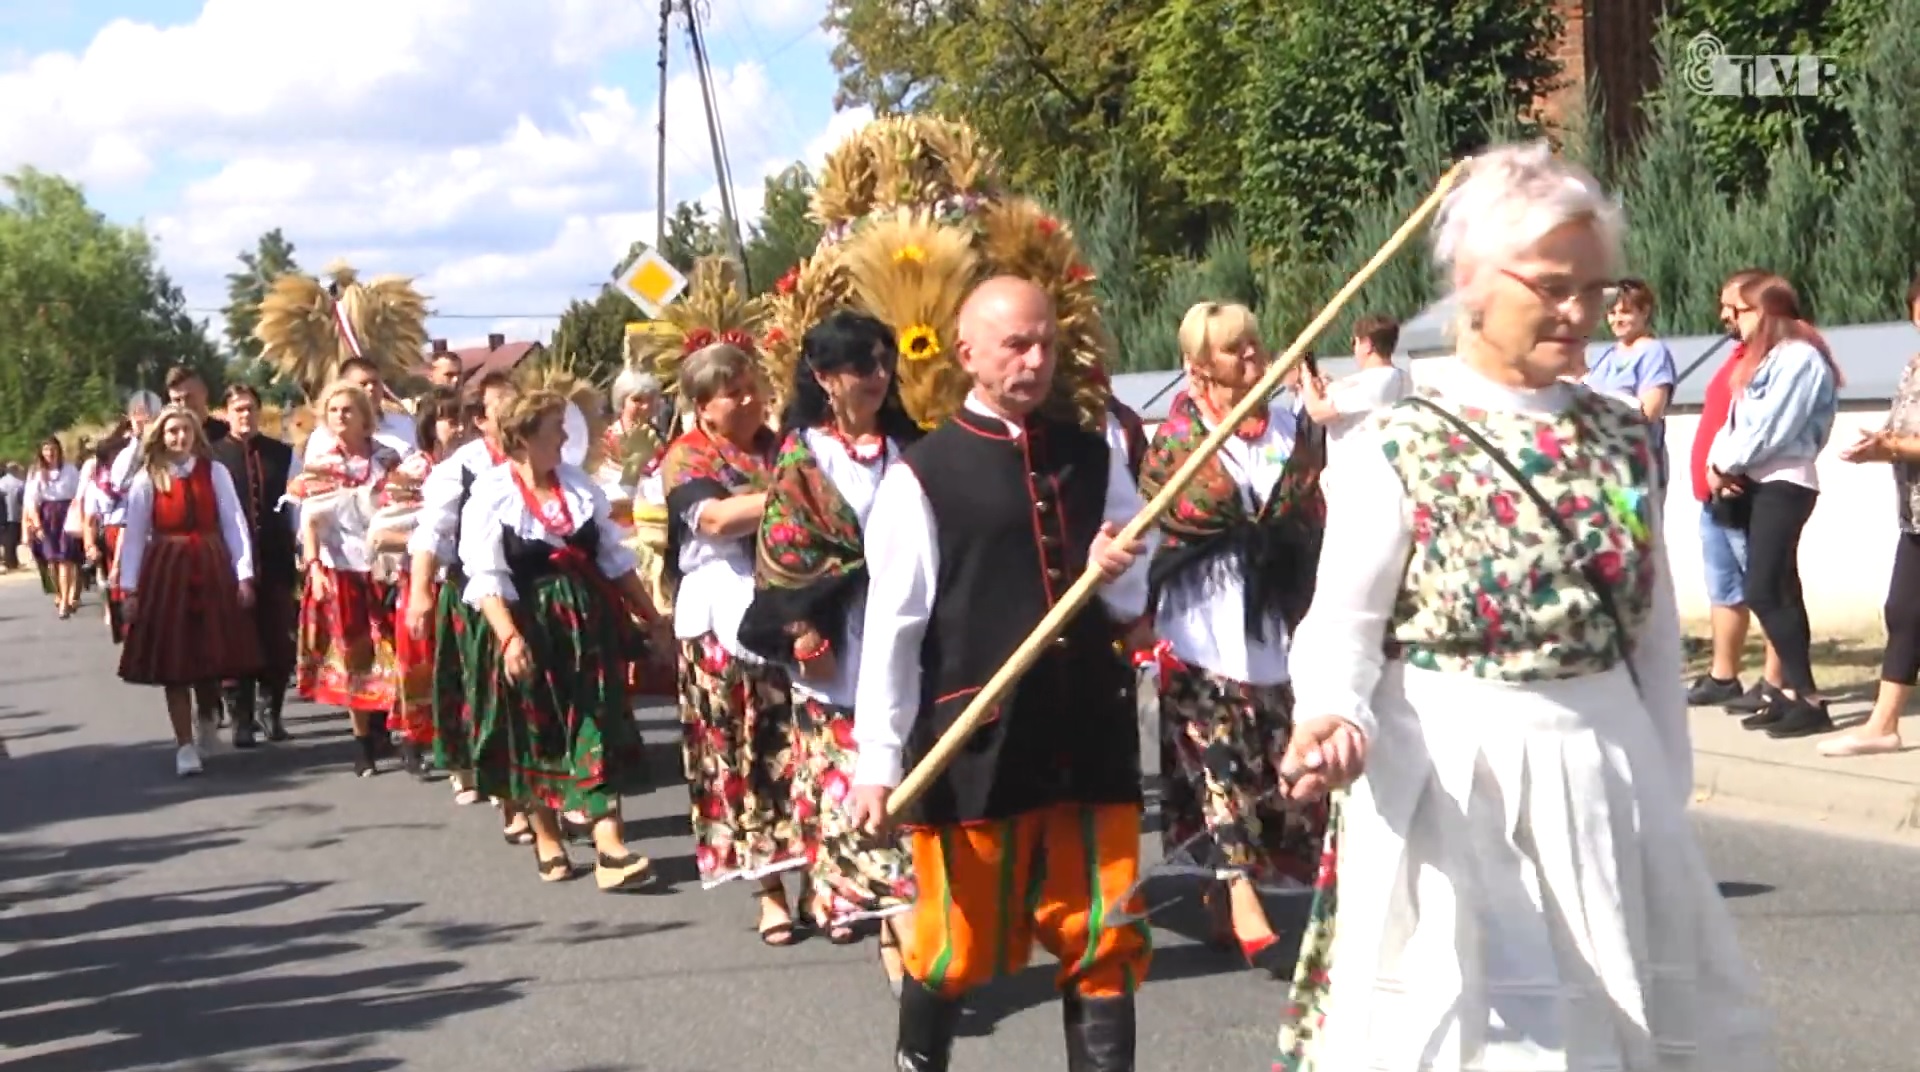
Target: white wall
(1846, 553)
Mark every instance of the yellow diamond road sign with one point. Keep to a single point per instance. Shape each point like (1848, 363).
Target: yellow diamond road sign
(651, 282)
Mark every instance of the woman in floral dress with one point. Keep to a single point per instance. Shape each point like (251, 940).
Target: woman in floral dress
(738, 738)
(186, 575)
(845, 426)
(346, 616)
(1232, 575)
(1492, 664)
(552, 728)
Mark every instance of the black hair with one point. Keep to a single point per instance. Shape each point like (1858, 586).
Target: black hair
(847, 341)
(438, 404)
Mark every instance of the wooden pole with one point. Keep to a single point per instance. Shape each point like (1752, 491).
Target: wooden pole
(1023, 657)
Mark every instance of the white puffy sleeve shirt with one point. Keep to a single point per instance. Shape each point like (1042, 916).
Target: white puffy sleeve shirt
(139, 530)
(496, 508)
(903, 561)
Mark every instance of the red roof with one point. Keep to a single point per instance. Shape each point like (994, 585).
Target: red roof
(476, 361)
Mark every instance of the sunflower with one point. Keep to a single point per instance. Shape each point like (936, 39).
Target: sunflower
(919, 343)
(909, 254)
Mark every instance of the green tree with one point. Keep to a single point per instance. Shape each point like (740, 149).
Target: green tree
(85, 312)
(1866, 264)
(1323, 128)
(1039, 79)
(593, 334)
(269, 259)
(1739, 132)
(691, 235)
(786, 232)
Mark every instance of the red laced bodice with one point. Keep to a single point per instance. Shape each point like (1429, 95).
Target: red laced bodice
(189, 505)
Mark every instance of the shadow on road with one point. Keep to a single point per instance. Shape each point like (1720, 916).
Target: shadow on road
(102, 988)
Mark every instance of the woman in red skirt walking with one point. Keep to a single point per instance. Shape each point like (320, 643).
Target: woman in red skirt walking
(346, 617)
(186, 575)
(442, 428)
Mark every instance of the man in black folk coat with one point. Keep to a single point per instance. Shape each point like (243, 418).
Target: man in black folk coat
(261, 467)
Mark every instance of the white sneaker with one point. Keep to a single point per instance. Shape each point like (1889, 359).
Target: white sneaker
(186, 762)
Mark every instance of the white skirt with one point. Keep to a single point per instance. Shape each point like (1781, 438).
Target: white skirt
(1520, 890)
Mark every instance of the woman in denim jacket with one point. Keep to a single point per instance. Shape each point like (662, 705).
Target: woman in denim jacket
(1786, 393)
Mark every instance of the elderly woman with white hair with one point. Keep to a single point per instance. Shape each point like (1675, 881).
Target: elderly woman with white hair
(1491, 671)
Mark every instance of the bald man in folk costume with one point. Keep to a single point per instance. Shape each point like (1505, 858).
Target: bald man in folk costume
(1034, 830)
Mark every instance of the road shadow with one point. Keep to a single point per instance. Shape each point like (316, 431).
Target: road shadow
(164, 980)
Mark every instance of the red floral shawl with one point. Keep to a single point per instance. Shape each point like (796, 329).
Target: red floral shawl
(698, 467)
(809, 561)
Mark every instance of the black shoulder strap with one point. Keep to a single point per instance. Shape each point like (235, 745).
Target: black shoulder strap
(1602, 591)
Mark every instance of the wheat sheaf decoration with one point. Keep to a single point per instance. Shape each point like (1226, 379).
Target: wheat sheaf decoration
(310, 326)
(715, 308)
(915, 215)
(560, 374)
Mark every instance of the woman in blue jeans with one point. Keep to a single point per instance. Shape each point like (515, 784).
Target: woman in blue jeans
(1786, 393)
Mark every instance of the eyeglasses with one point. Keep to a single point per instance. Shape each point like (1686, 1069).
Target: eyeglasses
(1559, 292)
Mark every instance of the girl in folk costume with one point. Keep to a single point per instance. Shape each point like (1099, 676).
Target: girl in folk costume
(440, 428)
(102, 497)
(736, 713)
(52, 488)
(1492, 664)
(552, 728)
(141, 410)
(1232, 576)
(346, 617)
(186, 575)
(844, 426)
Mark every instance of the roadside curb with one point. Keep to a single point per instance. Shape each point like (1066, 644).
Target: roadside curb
(1836, 796)
(1880, 794)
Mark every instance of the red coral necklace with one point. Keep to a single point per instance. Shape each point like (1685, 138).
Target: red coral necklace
(1253, 429)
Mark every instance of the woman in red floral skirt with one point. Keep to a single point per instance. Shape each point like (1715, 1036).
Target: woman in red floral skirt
(346, 616)
(441, 429)
(186, 575)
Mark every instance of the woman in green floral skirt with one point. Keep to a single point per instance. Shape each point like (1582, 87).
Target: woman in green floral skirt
(552, 727)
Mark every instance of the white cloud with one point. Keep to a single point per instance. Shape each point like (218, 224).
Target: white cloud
(466, 142)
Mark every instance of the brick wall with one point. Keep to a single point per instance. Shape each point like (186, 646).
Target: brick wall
(1606, 44)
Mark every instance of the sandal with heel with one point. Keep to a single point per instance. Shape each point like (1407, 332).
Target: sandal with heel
(783, 933)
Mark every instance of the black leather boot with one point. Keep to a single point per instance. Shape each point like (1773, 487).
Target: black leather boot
(927, 1024)
(273, 697)
(239, 701)
(1100, 1033)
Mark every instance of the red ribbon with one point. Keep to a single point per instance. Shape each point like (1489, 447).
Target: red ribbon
(1159, 658)
(554, 515)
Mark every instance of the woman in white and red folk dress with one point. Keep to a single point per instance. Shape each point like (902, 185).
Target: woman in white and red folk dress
(52, 488)
(186, 575)
(346, 614)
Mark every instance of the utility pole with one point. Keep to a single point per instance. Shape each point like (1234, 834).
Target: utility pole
(660, 160)
(729, 218)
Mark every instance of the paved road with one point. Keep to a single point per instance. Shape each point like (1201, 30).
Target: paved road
(279, 914)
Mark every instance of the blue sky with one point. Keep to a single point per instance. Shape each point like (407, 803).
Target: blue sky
(502, 153)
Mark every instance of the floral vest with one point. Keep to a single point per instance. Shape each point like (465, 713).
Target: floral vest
(1491, 588)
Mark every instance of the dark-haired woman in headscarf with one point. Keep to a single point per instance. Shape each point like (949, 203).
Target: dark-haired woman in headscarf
(844, 426)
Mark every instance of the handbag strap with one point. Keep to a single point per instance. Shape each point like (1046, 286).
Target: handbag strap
(1602, 591)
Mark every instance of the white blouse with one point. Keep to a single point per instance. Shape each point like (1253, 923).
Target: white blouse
(62, 486)
(497, 507)
(857, 484)
(716, 585)
(232, 513)
(439, 519)
(1202, 616)
(342, 519)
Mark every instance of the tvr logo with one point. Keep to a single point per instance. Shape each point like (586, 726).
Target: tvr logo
(1707, 67)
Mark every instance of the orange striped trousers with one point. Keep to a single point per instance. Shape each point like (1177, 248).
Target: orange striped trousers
(988, 889)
